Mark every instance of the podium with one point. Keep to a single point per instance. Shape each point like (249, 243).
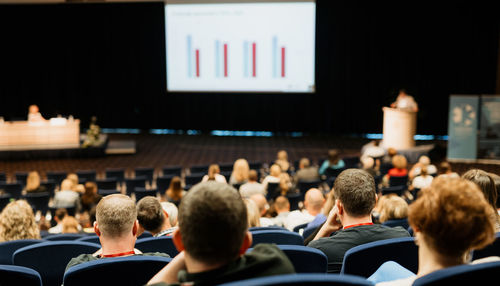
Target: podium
(399, 128)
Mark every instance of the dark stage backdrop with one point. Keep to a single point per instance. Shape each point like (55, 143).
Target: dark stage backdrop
(108, 60)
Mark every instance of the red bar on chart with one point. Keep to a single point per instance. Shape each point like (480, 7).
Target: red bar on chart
(197, 63)
(225, 60)
(282, 61)
(254, 59)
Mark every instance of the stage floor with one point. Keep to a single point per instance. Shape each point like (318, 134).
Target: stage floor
(187, 150)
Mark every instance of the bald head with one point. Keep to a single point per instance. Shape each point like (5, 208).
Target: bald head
(116, 215)
(67, 184)
(261, 203)
(314, 200)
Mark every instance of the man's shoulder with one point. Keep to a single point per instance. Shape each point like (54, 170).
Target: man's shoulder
(80, 259)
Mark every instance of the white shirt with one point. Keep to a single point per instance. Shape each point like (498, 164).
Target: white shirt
(218, 178)
(252, 188)
(422, 182)
(406, 102)
(270, 179)
(297, 217)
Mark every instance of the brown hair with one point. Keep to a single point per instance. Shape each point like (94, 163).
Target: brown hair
(150, 214)
(32, 181)
(17, 221)
(453, 217)
(333, 156)
(444, 167)
(399, 162)
(212, 171)
(90, 195)
(485, 183)
(355, 189)
(174, 191)
(212, 222)
(393, 207)
(69, 225)
(252, 176)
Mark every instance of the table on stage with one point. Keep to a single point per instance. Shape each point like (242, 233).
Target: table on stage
(56, 133)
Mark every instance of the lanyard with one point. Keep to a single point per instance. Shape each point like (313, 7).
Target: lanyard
(119, 254)
(353, 225)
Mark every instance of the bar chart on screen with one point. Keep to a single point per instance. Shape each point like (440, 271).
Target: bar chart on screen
(247, 47)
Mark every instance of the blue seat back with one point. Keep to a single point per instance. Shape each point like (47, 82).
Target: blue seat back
(398, 190)
(163, 183)
(172, 170)
(277, 237)
(303, 279)
(133, 183)
(51, 258)
(63, 236)
(107, 184)
(467, 274)
(108, 192)
(38, 201)
(142, 192)
(9, 247)
(305, 186)
(14, 189)
(86, 176)
(131, 270)
(56, 176)
(273, 191)
(398, 181)
(4, 200)
(147, 172)
(363, 260)
(199, 169)
(193, 179)
(21, 177)
(19, 275)
(163, 244)
(50, 186)
(397, 222)
(90, 238)
(117, 174)
(306, 259)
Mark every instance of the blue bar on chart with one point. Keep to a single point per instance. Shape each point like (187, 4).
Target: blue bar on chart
(217, 58)
(245, 58)
(189, 56)
(275, 56)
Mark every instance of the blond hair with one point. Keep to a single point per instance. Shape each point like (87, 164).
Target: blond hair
(69, 225)
(115, 215)
(275, 170)
(32, 181)
(253, 214)
(73, 177)
(393, 207)
(240, 170)
(17, 221)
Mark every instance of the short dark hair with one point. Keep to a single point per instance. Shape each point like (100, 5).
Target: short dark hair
(61, 213)
(253, 176)
(212, 222)
(150, 214)
(485, 183)
(355, 189)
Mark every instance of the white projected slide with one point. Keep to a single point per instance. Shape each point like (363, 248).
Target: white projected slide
(243, 47)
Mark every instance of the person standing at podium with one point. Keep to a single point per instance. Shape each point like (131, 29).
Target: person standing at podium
(34, 114)
(405, 101)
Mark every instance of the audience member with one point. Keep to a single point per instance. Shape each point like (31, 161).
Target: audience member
(89, 228)
(59, 216)
(306, 172)
(496, 179)
(399, 164)
(263, 206)
(392, 207)
(333, 162)
(172, 212)
(487, 185)
(175, 192)
(282, 160)
(368, 164)
(320, 219)
(253, 214)
(351, 219)
(17, 221)
(239, 176)
(445, 170)
(214, 174)
(423, 180)
(66, 197)
(373, 149)
(313, 203)
(116, 225)
(70, 225)
(423, 161)
(273, 177)
(33, 183)
(153, 218)
(387, 159)
(90, 197)
(253, 186)
(282, 208)
(213, 238)
(285, 183)
(449, 219)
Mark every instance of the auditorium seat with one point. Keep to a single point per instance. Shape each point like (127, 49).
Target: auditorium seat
(306, 259)
(277, 237)
(330, 172)
(147, 172)
(113, 271)
(21, 177)
(398, 190)
(4, 200)
(50, 186)
(14, 189)
(19, 275)
(108, 192)
(172, 170)
(226, 167)
(8, 248)
(385, 167)
(299, 227)
(50, 258)
(397, 222)
(3, 177)
(294, 199)
(163, 244)
(115, 173)
(142, 192)
(107, 184)
(467, 274)
(86, 176)
(363, 260)
(305, 186)
(303, 279)
(398, 181)
(193, 179)
(90, 238)
(255, 166)
(71, 211)
(226, 174)
(273, 191)
(199, 169)
(38, 201)
(56, 176)
(132, 183)
(257, 228)
(490, 250)
(351, 162)
(163, 183)
(63, 236)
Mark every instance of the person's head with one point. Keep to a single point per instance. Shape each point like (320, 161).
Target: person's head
(253, 214)
(285, 183)
(314, 201)
(423, 171)
(333, 156)
(355, 194)
(17, 221)
(212, 171)
(33, 109)
(172, 212)
(32, 181)
(67, 185)
(252, 176)
(399, 162)
(275, 170)
(282, 155)
(240, 170)
(175, 184)
(304, 163)
(261, 202)
(73, 177)
(151, 215)
(60, 214)
(452, 217)
(212, 224)
(116, 217)
(424, 160)
(391, 152)
(444, 168)
(90, 188)
(485, 183)
(403, 92)
(496, 179)
(70, 225)
(281, 204)
(367, 162)
(393, 207)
